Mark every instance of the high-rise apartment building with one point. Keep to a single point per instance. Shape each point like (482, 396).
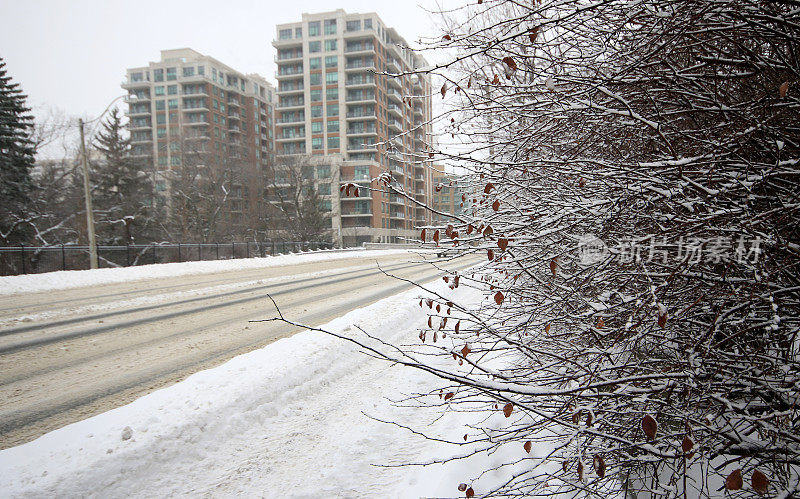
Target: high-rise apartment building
(193, 118)
(337, 99)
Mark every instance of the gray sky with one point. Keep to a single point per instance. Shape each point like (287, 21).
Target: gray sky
(72, 54)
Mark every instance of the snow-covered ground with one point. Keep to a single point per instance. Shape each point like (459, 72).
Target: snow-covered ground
(31, 283)
(289, 420)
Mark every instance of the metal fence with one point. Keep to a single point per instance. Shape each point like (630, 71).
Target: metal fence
(22, 259)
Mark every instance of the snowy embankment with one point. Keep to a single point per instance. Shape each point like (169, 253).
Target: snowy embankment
(32, 283)
(290, 419)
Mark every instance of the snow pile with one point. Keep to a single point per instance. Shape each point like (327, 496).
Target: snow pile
(287, 420)
(31, 283)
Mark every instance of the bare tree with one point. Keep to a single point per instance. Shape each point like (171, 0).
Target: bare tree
(635, 170)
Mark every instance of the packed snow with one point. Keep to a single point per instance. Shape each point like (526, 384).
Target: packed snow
(298, 418)
(32, 283)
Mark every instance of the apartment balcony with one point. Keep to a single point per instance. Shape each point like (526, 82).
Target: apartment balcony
(291, 139)
(290, 120)
(393, 65)
(356, 178)
(395, 111)
(359, 49)
(357, 213)
(198, 137)
(193, 109)
(135, 84)
(294, 57)
(396, 125)
(416, 84)
(360, 82)
(361, 99)
(195, 92)
(288, 75)
(140, 112)
(398, 215)
(289, 42)
(291, 105)
(362, 147)
(133, 126)
(362, 131)
(234, 103)
(133, 99)
(141, 141)
(395, 95)
(396, 200)
(360, 116)
(359, 66)
(293, 90)
(196, 123)
(142, 155)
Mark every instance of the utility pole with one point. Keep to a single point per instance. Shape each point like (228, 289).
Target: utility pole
(88, 198)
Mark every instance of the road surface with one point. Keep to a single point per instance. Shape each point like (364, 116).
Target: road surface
(68, 355)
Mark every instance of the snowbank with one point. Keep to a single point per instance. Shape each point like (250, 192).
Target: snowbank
(31, 283)
(289, 420)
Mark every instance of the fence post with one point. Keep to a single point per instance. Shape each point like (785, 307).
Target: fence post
(63, 258)
(179, 253)
(154, 253)
(128, 255)
(233, 250)
(22, 254)
(273, 248)
(247, 249)
(217, 251)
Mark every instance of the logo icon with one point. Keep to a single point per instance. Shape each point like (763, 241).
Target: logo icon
(591, 249)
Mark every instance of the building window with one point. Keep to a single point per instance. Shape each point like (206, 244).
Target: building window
(367, 23)
(333, 109)
(313, 28)
(361, 173)
(172, 74)
(175, 160)
(333, 126)
(330, 26)
(172, 89)
(161, 132)
(326, 205)
(354, 25)
(332, 94)
(331, 61)
(316, 127)
(298, 32)
(332, 78)
(333, 142)
(330, 45)
(188, 71)
(316, 95)
(315, 79)
(285, 34)
(136, 77)
(160, 105)
(173, 103)
(158, 75)
(314, 63)
(161, 119)
(316, 143)
(323, 171)
(201, 70)
(314, 47)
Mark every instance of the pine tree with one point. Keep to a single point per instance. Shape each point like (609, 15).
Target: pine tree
(122, 191)
(16, 159)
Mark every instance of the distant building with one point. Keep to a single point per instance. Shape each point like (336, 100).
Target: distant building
(333, 102)
(451, 194)
(189, 110)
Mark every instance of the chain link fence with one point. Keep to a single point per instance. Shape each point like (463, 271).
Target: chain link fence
(15, 260)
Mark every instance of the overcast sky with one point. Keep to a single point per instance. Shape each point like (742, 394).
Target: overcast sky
(72, 54)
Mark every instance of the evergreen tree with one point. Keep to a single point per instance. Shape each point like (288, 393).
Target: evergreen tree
(122, 192)
(16, 160)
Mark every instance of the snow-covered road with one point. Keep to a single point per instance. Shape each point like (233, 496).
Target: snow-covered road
(66, 355)
(287, 420)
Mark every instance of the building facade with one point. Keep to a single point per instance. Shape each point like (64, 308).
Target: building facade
(452, 194)
(191, 118)
(346, 90)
